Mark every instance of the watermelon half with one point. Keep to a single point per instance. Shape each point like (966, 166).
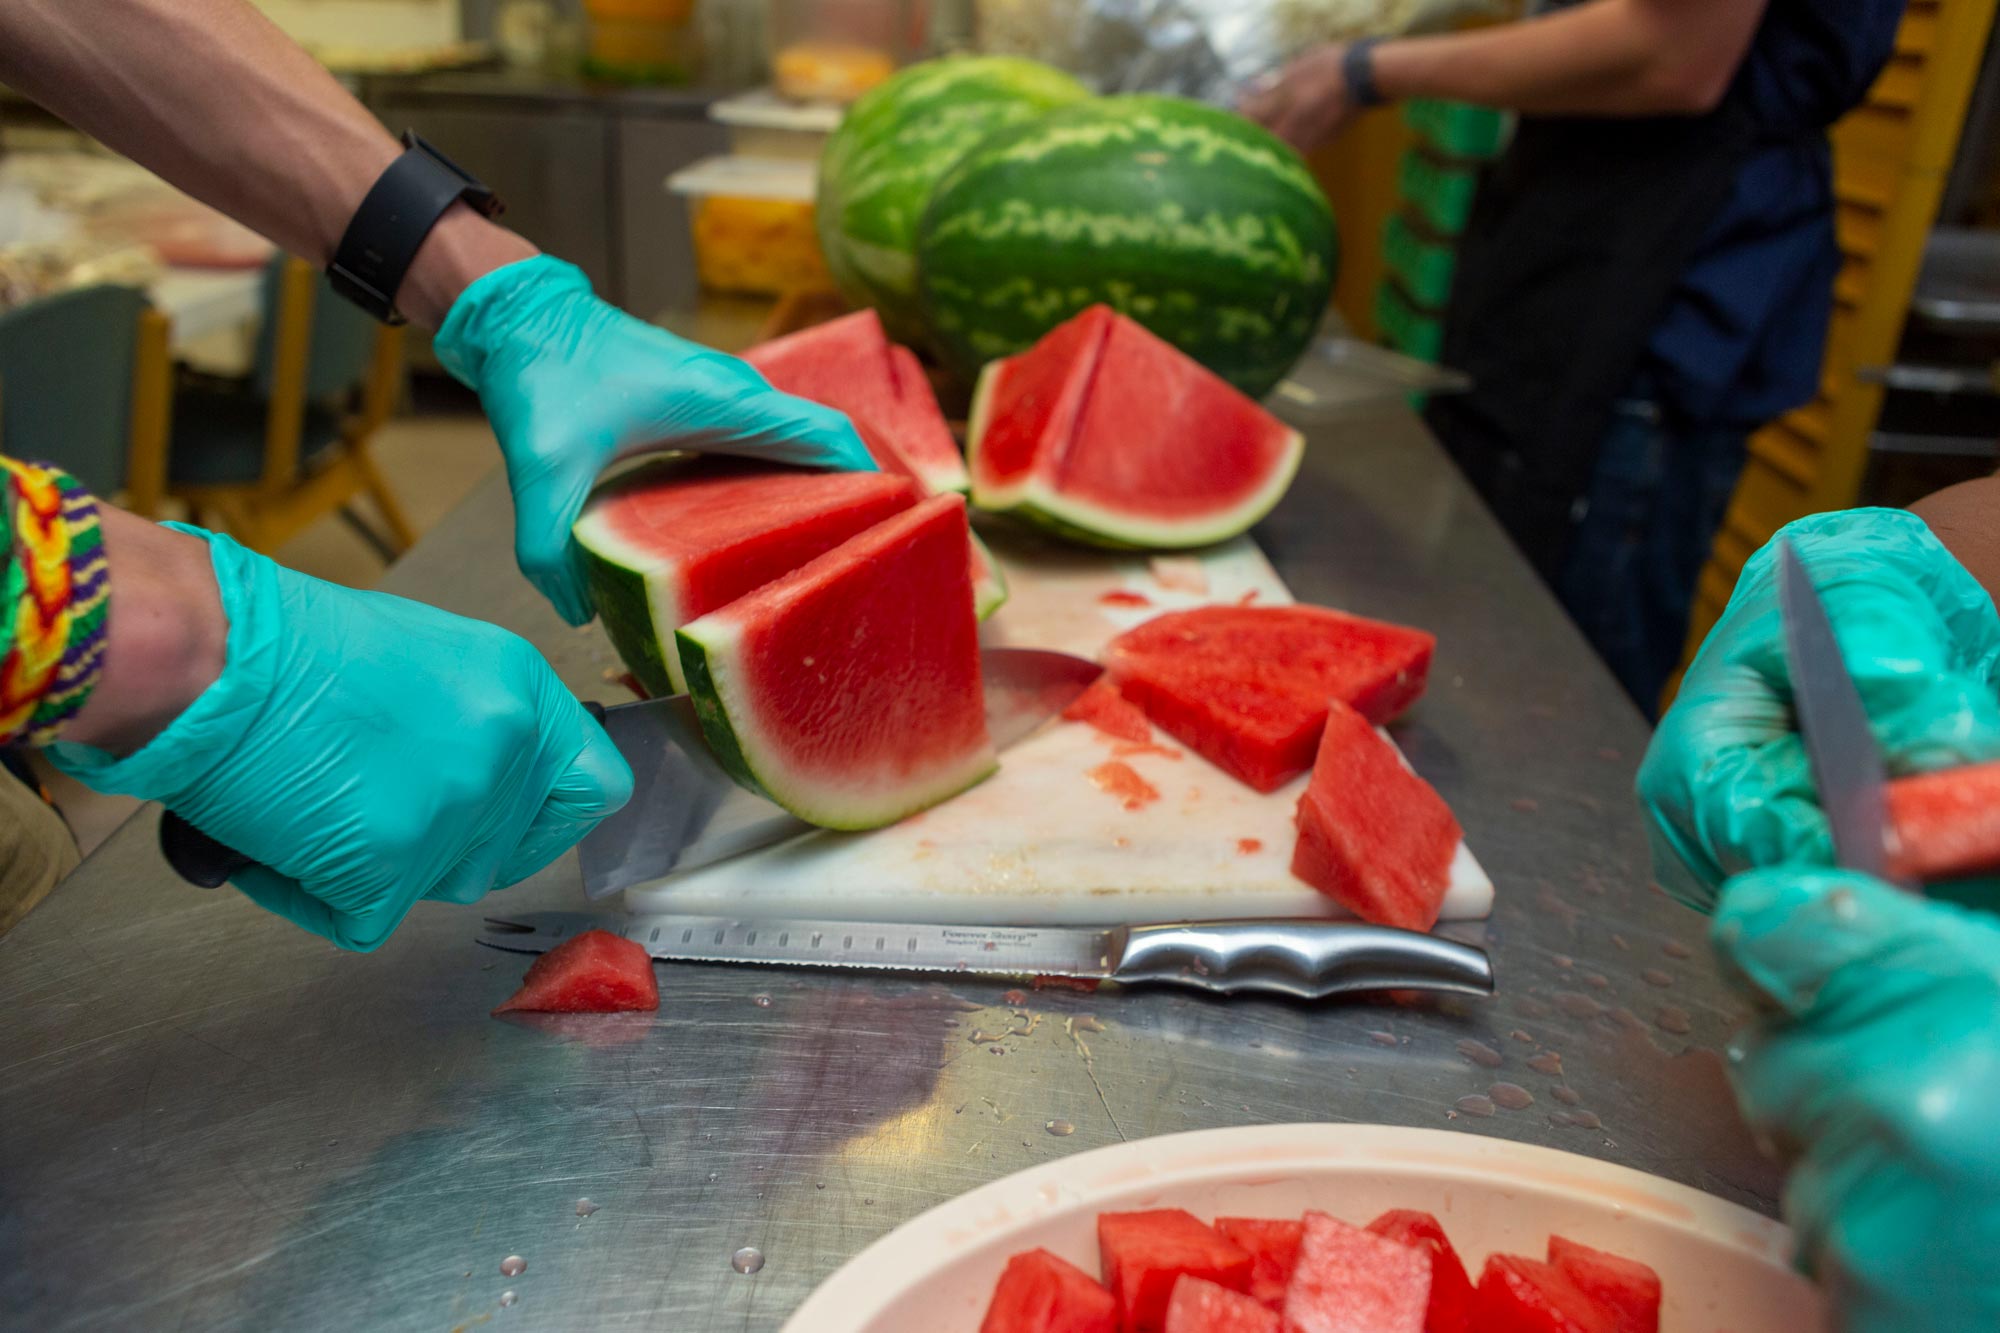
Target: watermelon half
(1192, 220)
(849, 691)
(893, 146)
(671, 541)
(1104, 432)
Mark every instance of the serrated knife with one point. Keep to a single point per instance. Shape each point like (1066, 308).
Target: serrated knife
(1306, 959)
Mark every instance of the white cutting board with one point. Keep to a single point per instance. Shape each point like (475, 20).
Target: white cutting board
(1039, 843)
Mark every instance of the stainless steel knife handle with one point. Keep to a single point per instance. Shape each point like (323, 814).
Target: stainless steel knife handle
(1310, 960)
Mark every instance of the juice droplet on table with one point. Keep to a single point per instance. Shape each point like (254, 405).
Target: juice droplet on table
(747, 1260)
(1475, 1105)
(1481, 1054)
(1580, 1119)
(1121, 597)
(507, 1298)
(1249, 846)
(1546, 1062)
(1675, 949)
(1578, 1005)
(1565, 1094)
(584, 1207)
(1653, 976)
(1062, 1129)
(1382, 1038)
(761, 1001)
(1675, 1020)
(1123, 781)
(1511, 1096)
(513, 1266)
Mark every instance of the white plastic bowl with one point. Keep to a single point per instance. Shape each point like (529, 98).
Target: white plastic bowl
(1725, 1269)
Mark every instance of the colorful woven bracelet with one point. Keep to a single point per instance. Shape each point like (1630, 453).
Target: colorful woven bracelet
(54, 595)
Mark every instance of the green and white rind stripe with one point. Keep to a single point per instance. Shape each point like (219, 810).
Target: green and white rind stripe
(1191, 220)
(892, 147)
(708, 649)
(1077, 519)
(638, 598)
(989, 593)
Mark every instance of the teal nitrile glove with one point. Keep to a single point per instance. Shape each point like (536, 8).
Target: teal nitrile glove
(571, 383)
(1726, 785)
(369, 751)
(1875, 1072)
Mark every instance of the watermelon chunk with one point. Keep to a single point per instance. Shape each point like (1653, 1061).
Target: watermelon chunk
(1102, 707)
(669, 542)
(1107, 433)
(1199, 1306)
(1373, 836)
(1145, 1253)
(592, 973)
(1518, 1295)
(1274, 1252)
(1041, 1293)
(1945, 825)
(1627, 1289)
(1450, 1309)
(849, 690)
(1352, 1281)
(1246, 687)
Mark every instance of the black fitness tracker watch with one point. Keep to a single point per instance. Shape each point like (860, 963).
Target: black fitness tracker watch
(1357, 68)
(389, 228)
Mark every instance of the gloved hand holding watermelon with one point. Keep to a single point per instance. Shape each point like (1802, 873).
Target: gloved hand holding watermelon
(570, 382)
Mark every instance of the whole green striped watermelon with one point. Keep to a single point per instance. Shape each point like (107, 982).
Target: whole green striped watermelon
(890, 151)
(1191, 220)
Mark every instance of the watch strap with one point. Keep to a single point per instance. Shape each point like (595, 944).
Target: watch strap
(1357, 68)
(398, 213)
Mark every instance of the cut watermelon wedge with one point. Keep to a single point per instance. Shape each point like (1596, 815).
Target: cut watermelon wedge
(1199, 1306)
(1518, 1295)
(1274, 1252)
(1373, 836)
(1106, 711)
(1450, 1309)
(1041, 1293)
(1351, 1281)
(1626, 1288)
(849, 690)
(671, 541)
(1945, 825)
(1106, 433)
(1246, 687)
(592, 973)
(1143, 1254)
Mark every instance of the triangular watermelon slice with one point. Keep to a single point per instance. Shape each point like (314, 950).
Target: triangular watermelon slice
(1041, 1293)
(1199, 1306)
(592, 973)
(1353, 1281)
(1520, 1295)
(1373, 836)
(1629, 1290)
(671, 541)
(1451, 1290)
(849, 690)
(1109, 434)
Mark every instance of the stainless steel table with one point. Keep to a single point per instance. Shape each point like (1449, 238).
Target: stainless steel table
(209, 1119)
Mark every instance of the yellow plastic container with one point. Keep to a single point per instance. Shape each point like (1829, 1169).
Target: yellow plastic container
(752, 220)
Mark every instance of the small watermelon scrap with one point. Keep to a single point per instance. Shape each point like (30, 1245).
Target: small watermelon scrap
(1105, 709)
(1352, 1281)
(1041, 1293)
(1518, 1295)
(1373, 836)
(1273, 1243)
(1945, 825)
(1450, 1309)
(1628, 1289)
(1144, 1253)
(593, 973)
(1199, 1306)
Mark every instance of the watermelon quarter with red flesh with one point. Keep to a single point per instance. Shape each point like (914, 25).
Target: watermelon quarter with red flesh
(1273, 1244)
(1198, 1306)
(1352, 1281)
(849, 691)
(1145, 1253)
(1105, 432)
(1373, 836)
(669, 542)
(1450, 1309)
(1945, 825)
(592, 973)
(1247, 687)
(1041, 1293)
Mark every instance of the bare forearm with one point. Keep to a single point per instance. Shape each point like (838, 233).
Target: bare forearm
(1966, 518)
(212, 96)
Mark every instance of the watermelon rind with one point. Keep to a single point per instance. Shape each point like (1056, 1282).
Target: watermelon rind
(1078, 520)
(638, 604)
(707, 649)
(1191, 220)
(989, 590)
(889, 152)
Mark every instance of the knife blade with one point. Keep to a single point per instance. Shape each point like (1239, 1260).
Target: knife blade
(686, 812)
(1305, 959)
(1846, 762)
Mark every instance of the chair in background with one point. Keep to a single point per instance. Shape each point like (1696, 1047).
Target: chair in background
(85, 382)
(271, 454)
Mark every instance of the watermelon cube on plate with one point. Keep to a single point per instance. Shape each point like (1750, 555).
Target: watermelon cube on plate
(1143, 1254)
(1352, 1281)
(592, 973)
(1373, 836)
(1626, 1288)
(1450, 1309)
(1041, 1293)
(1200, 1306)
(1519, 1295)
(1273, 1243)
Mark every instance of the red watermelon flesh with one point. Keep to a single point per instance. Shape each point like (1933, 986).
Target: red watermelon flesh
(1106, 431)
(1450, 1309)
(1351, 1281)
(1143, 1254)
(1246, 687)
(1945, 825)
(1518, 1295)
(1200, 1306)
(849, 690)
(1373, 836)
(1626, 1288)
(1041, 1293)
(1102, 707)
(1273, 1244)
(592, 973)
(667, 543)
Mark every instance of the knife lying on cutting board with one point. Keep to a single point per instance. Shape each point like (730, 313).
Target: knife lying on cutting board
(1307, 959)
